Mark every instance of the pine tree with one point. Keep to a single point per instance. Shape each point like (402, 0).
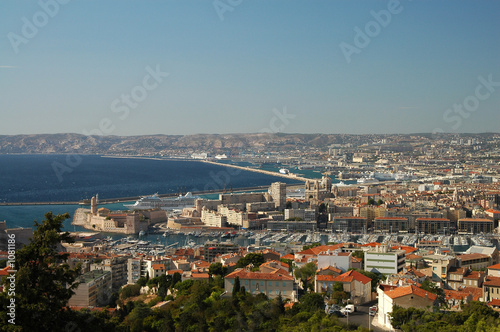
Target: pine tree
(44, 281)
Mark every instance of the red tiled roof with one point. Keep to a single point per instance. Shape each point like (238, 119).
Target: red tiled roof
(330, 268)
(492, 281)
(467, 257)
(494, 267)
(494, 302)
(3, 272)
(172, 272)
(476, 292)
(245, 274)
(316, 250)
(453, 294)
(408, 249)
(433, 219)
(288, 256)
(407, 290)
(325, 277)
(357, 276)
(199, 275)
(158, 266)
(371, 244)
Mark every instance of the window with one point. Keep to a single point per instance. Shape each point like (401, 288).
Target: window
(284, 284)
(277, 283)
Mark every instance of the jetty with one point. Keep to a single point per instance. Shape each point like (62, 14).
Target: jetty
(290, 176)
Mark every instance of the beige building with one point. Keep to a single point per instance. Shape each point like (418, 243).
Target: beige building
(353, 282)
(270, 284)
(213, 218)
(404, 296)
(433, 225)
(94, 289)
(278, 194)
(475, 226)
(390, 225)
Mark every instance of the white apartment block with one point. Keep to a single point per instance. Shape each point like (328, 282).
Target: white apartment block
(385, 261)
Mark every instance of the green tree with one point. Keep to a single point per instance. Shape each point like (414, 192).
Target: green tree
(256, 259)
(236, 287)
(217, 269)
(44, 281)
(306, 272)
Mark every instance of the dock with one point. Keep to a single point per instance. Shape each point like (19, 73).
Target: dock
(290, 176)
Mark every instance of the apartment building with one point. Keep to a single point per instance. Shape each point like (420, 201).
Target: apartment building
(475, 226)
(94, 290)
(432, 225)
(390, 225)
(348, 224)
(383, 260)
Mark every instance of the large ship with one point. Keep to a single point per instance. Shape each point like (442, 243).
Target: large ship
(155, 201)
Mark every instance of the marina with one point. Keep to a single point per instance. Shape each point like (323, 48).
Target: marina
(159, 241)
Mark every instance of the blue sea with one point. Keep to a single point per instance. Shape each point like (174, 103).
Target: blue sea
(63, 178)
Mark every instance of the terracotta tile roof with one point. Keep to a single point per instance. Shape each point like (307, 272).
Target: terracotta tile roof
(467, 257)
(492, 281)
(494, 267)
(371, 244)
(410, 257)
(330, 269)
(407, 290)
(3, 272)
(316, 250)
(356, 260)
(433, 219)
(245, 274)
(199, 275)
(494, 302)
(172, 272)
(326, 277)
(158, 266)
(408, 249)
(476, 292)
(455, 295)
(474, 275)
(391, 218)
(288, 256)
(349, 276)
(357, 276)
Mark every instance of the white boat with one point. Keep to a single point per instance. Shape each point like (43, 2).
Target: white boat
(169, 204)
(284, 171)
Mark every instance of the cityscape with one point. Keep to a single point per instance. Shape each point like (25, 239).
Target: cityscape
(232, 165)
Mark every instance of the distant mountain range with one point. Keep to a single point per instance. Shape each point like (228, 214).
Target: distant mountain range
(161, 144)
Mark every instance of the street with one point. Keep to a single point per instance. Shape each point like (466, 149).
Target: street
(361, 317)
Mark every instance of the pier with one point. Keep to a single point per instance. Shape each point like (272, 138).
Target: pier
(256, 170)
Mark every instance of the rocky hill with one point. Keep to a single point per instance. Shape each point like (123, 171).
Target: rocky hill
(152, 144)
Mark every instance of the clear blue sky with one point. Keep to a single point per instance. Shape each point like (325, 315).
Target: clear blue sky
(228, 75)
